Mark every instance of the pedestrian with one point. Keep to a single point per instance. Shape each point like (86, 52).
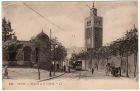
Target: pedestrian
(6, 72)
(107, 69)
(69, 69)
(58, 67)
(92, 71)
(64, 68)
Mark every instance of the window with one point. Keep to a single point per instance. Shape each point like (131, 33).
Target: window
(88, 23)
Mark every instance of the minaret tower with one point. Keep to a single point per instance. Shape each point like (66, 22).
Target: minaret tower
(93, 29)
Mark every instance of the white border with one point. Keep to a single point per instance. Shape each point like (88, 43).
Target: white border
(59, 0)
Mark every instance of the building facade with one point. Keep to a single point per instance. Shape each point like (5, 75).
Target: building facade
(23, 53)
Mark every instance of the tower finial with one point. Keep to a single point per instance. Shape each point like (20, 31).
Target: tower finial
(93, 5)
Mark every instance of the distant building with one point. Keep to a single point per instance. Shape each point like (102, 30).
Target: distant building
(93, 29)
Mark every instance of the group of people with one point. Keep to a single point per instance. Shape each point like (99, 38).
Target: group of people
(115, 71)
(60, 69)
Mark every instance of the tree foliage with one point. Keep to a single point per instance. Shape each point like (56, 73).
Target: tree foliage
(7, 31)
(58, 50)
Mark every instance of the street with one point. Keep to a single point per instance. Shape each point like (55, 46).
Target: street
(32, 73)
(86, 75)
(73, 80)
(21, 77)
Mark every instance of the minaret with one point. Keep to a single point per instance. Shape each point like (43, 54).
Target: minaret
(93, 29)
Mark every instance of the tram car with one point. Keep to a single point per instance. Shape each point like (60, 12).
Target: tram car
(78, 65)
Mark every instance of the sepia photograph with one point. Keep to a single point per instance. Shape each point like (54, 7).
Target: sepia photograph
(73, 45)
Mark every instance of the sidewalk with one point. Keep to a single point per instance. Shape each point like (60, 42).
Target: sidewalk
(71, 71)
(100, 74)
(30, 73)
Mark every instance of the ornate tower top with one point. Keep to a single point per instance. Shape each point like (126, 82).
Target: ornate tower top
(93, 5)
(93, 11)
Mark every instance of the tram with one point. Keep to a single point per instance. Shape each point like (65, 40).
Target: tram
(78, 65)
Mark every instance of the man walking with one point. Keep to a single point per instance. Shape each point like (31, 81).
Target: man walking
(92, 71)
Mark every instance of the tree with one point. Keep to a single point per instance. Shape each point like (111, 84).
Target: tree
(118, 49)
(106, 53)
(6, 30)
(132, 38)
(59, 52)
(135, 47)
(125, 47)
(99, 55)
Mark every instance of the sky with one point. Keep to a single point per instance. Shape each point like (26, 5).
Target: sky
(68, 17)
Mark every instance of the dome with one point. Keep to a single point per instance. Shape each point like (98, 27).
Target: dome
(42, 36)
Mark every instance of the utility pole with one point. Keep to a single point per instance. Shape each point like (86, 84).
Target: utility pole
(55, 57)
(50, 54)
(54, 61)
(37, 63)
